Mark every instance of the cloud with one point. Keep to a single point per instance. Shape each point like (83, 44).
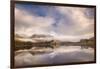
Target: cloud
(59, 56)
(74, 23)
(26, 23)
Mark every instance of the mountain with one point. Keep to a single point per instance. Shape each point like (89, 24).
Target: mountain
(18, 36)
(41, 36)
(34, 38)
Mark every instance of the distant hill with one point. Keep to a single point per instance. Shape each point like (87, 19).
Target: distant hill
(92, 38)
(83, 42)
(18, 36)
(88, 40)
(40, 36)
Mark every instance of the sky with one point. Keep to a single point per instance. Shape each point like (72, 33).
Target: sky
(63, 22)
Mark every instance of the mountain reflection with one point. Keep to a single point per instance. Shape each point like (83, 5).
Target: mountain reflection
(60, 55)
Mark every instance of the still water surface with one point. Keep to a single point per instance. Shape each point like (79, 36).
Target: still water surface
(61, 55)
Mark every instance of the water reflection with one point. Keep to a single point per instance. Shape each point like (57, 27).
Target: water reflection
(61, 55)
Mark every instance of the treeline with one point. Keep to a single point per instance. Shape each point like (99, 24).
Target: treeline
(22, 45)
(88, 42)
(83, 42)
(52, 44)
(27, 45)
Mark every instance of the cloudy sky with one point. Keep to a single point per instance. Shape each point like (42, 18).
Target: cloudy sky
(59, 21)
